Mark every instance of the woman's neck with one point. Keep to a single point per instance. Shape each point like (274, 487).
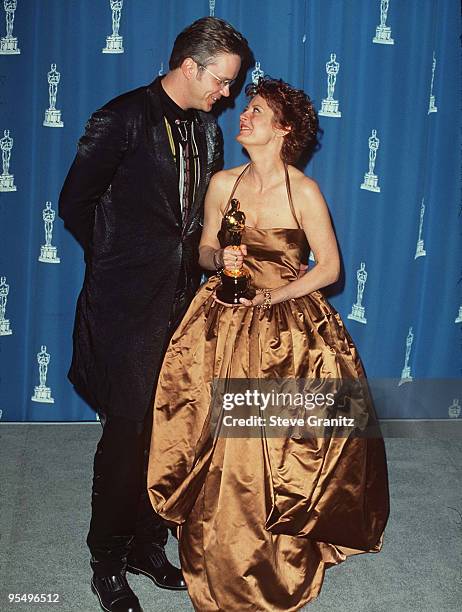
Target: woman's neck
(265, 171)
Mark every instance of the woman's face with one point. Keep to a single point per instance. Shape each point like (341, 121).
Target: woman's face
(256, 124)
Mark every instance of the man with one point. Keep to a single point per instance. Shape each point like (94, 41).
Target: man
(133, 198)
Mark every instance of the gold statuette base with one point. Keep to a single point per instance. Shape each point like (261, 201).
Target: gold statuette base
(235, 286)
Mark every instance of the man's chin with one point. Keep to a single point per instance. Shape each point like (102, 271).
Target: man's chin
(205, 108)
(208, 105)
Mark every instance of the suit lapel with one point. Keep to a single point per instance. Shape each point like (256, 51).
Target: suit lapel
(164, 163)
(203, 165)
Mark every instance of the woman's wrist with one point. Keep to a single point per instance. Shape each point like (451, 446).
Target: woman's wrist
(266, 304)
(262, 299)
(276, 296)
(218, 259)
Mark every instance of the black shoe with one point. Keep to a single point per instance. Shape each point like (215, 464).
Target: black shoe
(157, 567)
(115, 594)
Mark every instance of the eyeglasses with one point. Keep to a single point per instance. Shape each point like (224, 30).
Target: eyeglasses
(221, 82)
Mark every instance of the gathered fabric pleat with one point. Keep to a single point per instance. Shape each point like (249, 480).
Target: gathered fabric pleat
(261, 517)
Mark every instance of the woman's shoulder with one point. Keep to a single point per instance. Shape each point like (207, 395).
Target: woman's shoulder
(229, 173)
(226, 178)
(301, 184)
(307, 195)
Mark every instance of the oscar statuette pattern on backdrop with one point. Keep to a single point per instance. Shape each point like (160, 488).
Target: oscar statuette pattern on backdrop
(385, 79)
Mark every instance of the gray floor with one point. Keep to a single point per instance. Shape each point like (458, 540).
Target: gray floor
(45, 474)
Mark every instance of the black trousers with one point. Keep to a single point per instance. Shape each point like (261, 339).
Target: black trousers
(123, 520)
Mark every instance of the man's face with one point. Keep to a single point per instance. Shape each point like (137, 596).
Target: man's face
(207, 87)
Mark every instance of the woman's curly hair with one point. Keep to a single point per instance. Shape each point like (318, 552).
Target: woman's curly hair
(292, 109)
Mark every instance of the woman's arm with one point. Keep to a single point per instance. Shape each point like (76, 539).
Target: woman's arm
(315, 221)
(211, 256)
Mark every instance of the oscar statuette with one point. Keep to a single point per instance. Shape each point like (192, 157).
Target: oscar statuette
(235, 283)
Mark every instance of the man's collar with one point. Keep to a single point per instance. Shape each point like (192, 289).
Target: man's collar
(156, 92)
(171, 109)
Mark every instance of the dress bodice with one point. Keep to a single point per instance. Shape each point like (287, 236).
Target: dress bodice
(273, 254)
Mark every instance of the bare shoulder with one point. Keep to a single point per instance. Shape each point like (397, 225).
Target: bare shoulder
(303, 185)
(236, 171)
(305, 190)
(222, 183)
(226, 178)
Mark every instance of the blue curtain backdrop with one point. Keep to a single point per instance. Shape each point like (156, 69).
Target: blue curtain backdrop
(409, 327)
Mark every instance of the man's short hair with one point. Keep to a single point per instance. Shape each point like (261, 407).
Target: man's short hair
(206, 38)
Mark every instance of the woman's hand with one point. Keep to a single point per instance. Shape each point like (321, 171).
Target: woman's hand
(233, 257)
(256, 301)
(216, 300)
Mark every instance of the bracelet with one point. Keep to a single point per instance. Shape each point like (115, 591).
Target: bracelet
(217, 265)
(266, 305)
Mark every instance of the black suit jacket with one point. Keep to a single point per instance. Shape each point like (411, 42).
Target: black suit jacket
(120, 200)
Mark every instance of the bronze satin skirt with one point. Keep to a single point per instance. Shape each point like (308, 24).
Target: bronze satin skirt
(261, 517)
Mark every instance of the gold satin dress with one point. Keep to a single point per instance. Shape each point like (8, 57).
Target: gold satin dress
(261, 517)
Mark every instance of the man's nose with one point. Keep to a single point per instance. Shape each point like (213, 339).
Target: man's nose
(225, 90)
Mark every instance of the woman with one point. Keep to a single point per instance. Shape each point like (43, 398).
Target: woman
(263, 514)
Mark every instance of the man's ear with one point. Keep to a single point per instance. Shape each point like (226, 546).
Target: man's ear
(188, 68)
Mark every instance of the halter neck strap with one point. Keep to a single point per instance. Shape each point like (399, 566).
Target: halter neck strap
(236, 183)
(289, 195)
(289, 192)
